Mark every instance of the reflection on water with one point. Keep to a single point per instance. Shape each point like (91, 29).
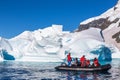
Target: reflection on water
(84, 76)
(45, 71)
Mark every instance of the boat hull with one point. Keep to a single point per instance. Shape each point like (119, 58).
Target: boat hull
(74, 68)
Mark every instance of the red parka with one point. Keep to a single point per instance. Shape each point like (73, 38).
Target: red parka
(82, 60)
(96, 63)
(69, 57)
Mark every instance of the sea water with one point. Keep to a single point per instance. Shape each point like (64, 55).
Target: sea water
(13, 70)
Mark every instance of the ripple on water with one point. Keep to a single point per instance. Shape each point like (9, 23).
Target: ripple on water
(46, 71)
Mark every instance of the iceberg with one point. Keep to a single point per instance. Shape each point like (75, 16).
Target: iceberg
(103, 52)
(52, 45)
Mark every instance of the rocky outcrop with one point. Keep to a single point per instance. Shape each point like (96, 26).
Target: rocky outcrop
(101, 23)
(117, 37)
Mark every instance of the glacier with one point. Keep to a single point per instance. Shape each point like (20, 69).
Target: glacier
(52, 44)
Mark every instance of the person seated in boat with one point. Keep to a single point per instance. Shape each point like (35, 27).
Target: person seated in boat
(69, 59)
(87, 63)
(96, 62)
(83, 61)
(75, 62)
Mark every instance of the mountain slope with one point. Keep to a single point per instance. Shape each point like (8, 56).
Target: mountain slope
(108, 22)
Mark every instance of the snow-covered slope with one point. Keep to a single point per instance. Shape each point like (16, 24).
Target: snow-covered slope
(109, 22)
(51, 44)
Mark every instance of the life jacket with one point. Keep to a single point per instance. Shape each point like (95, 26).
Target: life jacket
(82, 60)
(69, 57)
(96, 63)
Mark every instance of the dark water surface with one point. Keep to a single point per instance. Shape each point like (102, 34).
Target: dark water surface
(13, 70)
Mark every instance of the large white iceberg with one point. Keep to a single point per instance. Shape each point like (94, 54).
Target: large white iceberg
(52, 45)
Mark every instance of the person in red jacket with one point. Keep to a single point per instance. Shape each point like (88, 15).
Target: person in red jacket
(83, 61)
(69, 59)
(96, 62)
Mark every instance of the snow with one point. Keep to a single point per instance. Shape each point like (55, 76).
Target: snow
(4, 44)
(89, 20)
(109, 32)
